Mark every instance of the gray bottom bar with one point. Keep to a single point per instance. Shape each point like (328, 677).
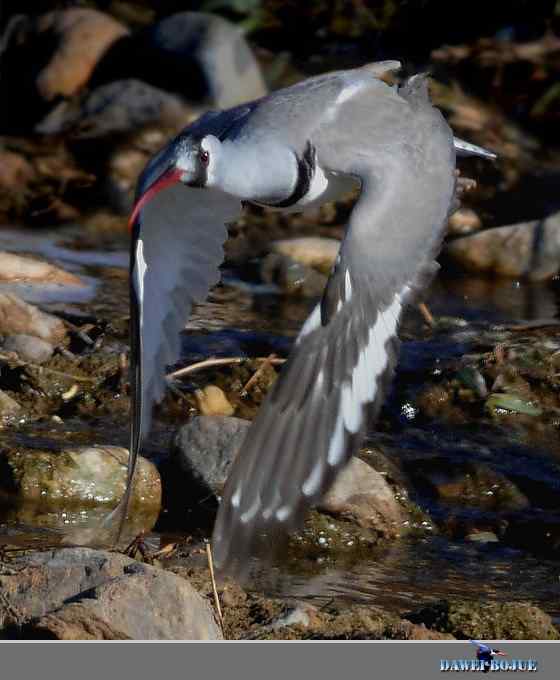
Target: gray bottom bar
(267, 660)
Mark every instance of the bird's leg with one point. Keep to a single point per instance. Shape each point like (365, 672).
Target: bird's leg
(136, 545)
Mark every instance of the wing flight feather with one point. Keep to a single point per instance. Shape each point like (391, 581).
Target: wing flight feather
(313, 420)
(176, 252)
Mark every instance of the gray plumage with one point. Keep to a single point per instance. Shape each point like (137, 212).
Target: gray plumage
(294, 148)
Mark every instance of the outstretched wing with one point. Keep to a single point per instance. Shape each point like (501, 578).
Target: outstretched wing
(401, 150)
(175, 258)
(176, 251)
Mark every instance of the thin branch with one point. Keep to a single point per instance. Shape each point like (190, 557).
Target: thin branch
(212, 363)
(426, 314)
(214, 588)
(253, 379)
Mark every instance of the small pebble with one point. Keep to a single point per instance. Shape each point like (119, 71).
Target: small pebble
(212, 401)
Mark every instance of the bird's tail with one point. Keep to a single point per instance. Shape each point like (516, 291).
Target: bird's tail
(463, 148)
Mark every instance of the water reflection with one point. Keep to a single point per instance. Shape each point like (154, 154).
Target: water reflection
(411, 573)
(494, 300)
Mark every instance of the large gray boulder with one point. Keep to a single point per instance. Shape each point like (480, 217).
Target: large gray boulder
(206, 446)
(83, 594)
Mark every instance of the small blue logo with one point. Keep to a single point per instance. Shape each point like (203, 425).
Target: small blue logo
(487, 660)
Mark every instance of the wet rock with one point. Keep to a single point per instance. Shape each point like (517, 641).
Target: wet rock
(312, 251)
(499, 403)
(362, 495)
(212, 401)
(41, 582)
(83, 476)
(528, 249)
(80, 36)
(206, 447)
(175, 611)
(204, 57)
(467, 484)
(293, 278)
(15, 171)
(29, 348)
(463, 221)
(482, 537)
(116, 108)
(17, 317)
(466, 620)
(8, 406)
(18, 269)
(81, 594)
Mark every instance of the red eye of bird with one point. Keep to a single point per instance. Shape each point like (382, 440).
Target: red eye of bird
(204, 157)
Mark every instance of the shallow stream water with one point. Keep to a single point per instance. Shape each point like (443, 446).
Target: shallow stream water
(243, 318)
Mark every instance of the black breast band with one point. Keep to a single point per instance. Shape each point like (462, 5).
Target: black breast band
(306, 166)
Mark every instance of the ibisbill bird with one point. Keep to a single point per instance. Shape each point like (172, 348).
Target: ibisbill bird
(298, 147)
(485, 654)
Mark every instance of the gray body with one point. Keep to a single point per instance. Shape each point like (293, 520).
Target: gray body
(298, 146)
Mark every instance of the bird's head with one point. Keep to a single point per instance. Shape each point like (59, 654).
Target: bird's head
(498, 652)
(187, 160)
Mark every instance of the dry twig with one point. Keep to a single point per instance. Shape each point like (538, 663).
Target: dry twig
(426, 314)
(213, 362)
(253, 379)
(214, 588)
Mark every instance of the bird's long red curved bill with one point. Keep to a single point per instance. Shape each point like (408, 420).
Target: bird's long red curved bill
(169, 177)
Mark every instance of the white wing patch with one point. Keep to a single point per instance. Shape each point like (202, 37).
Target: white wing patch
(312, 322)
(344, 95)
(283, 513)
(141, 269)
(313, 483)
(361, 388)
(252, 511)
(236, 498)
(336, 447)
(350, 91)
(347, 285)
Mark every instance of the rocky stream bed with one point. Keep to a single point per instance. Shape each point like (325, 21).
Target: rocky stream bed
(447, 524)
(453, 500)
